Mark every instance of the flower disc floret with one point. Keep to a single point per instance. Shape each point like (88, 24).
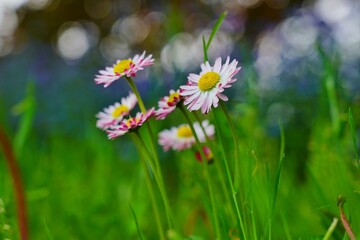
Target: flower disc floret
(208, 81)
(129, 125)
(204, 90)
(184, 132)
(125, 67)
(168, 104)
(114, 113)
(181, 137)
(120, 111)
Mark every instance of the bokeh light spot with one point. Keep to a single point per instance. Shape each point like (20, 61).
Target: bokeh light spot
(73, 41)
(113, 47)
(38, 4)
(98, 9)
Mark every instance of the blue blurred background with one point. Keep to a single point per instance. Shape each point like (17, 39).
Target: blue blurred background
(60, 46)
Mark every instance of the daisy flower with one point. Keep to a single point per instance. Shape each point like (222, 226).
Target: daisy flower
(181, 137)
(129, 125)
(115, 113)
(208, 154)
(168, 104)
(125, 67)
(204, 90)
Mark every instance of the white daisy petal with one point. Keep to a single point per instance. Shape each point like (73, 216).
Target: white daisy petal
(127, 67)
(113, 114)
(204, 90)
(168, 104)
(181, 137)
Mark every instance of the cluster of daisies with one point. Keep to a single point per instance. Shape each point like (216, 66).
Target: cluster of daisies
(202, 91)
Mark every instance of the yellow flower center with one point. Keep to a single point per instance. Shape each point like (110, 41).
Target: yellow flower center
(120, 110)
(132, 120)
(208, 81)
(184, 132)
(121, 66)
(173, 96)
(209, 155)
(128, 122)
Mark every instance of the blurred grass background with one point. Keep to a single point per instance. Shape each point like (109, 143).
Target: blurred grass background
(300, 64)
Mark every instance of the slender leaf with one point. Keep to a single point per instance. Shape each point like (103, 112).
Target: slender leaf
(205, 49)
(280, 166)
(27, 109)
(136, 222)
(216, 27)
(48, 233)
(353, 133)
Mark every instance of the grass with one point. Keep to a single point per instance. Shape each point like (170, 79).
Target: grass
(284, 185)
(82, 188)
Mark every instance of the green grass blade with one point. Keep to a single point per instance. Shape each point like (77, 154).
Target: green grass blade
(136, 222)
(27, 109)
(205, 49)
(352, 129)
(277, 177)
(253, 220)
(331, 229)
(280, 167)
(215, 29)
(48, 233)
(329, 79)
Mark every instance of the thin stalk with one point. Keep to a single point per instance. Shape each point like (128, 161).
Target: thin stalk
(137, 94)
(330, 88)
(353, 133)
(17, 184)
(216, 159)
(234, 193)
(155, 158)
(136, 222)
(205, 164)
(236, 145)
(150, 188)
(331, 229)
(277, 176)
(158, 180)
(253, 220)
(48, 233)
(344, 220)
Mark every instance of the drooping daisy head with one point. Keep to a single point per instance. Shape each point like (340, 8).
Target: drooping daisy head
(181, 137)
(208, 155)
(168, 104)
(129, 125)
(114, 113)
(205, 89)
(125, 67)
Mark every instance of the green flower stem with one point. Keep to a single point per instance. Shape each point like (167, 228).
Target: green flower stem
(150, 188)
(155, 158)
(205, 164)
(137, 94)
(216, 158)
(236, 144)
(158, 181)
(331, 228)
(233, 191)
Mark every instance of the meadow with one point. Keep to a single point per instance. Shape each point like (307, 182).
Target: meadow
(283, 166)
